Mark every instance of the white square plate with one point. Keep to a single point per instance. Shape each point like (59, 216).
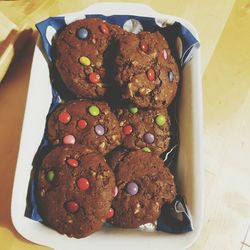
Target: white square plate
(189, 166)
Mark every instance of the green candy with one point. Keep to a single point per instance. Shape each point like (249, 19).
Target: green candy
(94, 110)
(146, 149)
(50, 175)
(133, 110)
(85, 60)
(160, 120)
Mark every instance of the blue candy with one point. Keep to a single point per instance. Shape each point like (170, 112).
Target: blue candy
(170, 76)
(82, 33)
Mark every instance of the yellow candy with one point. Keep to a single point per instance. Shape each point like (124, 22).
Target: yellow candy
(84, 61)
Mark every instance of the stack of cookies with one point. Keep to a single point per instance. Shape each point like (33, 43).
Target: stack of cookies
(104, 66)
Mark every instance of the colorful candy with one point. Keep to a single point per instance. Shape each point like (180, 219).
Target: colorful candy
(82, 124)
(84, 60)
(83, 184)
(110, 213)
(160, 120)
(72, 206)
(104, 28)
(64, 117)
(170, 76)
(94, 110)
(50, 175)
(127, 130)
(94, 78)
(144, 46)
(72, 162)
(99, 129)
(151, 74)
(82, 33)
(149, 138)
(132, 188)
(146, 149)
(116, 191)
(165, 54)
(133, 110)
(69, 139)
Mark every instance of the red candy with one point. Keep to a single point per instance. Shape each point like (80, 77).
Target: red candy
(82, 124)
(104, 28)
(72, 162)
(83, 184)
(72, 206)
(143, 46)
(116, 191)
(64, 117)
(94, 77)
(110, 213)
(165, 54)
(127, 130)
(69, 139)
(151, 74)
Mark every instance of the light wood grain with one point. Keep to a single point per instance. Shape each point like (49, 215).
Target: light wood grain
(5, 26)
(227, 136)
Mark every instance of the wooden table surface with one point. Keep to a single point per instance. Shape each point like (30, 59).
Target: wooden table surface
(224, 29)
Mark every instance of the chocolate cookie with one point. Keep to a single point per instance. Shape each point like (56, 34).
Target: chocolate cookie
(144, 184)
(74, 191)
(148, 130)
(146, 70)
(89, 123)
(116, 156)
(81, 49)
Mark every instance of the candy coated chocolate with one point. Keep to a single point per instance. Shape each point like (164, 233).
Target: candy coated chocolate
(132, 188)
(92, 124)
(127, 129)
(69, 139)
(148, 129)
(99, 129)
(149, 138)
(82, 33)
(84, 60)
(83, 184)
